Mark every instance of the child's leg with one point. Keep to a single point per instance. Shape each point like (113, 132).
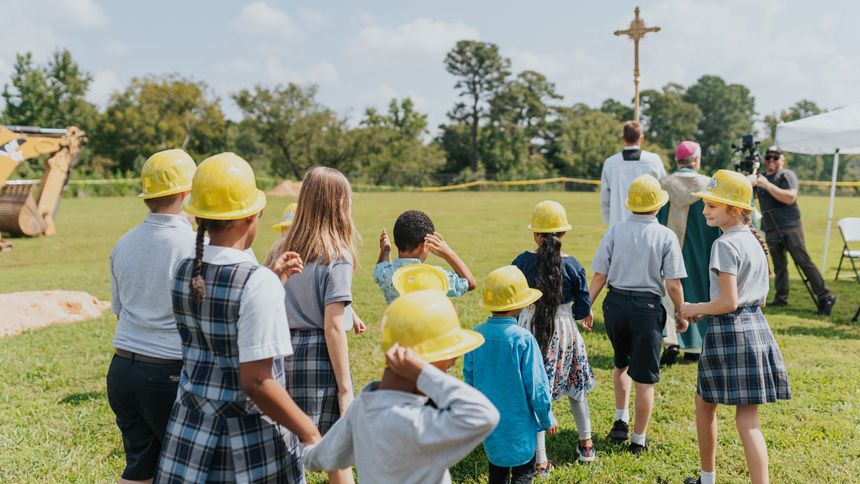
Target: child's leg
(706, 428)
(582, 417)
(755, 448)
(643, 405)
(500, 475)
(523, 474)
(622, 384)
(540, 453)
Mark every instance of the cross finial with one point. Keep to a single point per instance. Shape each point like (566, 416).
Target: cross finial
(636, 31)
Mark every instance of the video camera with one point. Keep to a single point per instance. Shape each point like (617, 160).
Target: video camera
(745, 157)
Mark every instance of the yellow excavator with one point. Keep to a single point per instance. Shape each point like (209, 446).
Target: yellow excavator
(22, 214)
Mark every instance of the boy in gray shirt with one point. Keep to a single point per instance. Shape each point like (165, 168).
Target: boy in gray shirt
(637, 258)
(144, 372)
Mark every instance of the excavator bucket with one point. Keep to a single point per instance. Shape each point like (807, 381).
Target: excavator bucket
(19, 215)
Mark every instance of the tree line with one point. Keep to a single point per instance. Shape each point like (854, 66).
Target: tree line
(504, 125)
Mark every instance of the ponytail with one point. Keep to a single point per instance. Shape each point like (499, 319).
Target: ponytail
(746, 216)
(549, 281)
(198, 286)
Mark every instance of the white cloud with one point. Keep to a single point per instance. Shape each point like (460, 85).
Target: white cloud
(105, 82)
(312, 18)
(324, 73)
(82, 13)
(362, 18)
(423, 40)
(239, 65)
(115, 47)
(527, 60)
(260, 18)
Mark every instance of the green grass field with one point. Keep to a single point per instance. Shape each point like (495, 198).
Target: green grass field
(56, 425)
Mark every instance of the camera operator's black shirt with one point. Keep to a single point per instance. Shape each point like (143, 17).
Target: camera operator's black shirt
(774, 211)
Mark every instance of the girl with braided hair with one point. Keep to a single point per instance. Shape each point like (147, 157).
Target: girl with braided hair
(741, 364)
(232, 420)
(552, 320)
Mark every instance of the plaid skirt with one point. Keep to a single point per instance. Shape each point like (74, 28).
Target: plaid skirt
(226, 445)
(741, 363)
(310, 379)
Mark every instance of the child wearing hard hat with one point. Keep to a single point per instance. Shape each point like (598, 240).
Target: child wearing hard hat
(144, 371)
(552, 319)
(639, 260)
(390, 433)
(232, 420)
(741, 364)
(508, 368)
(416, 238)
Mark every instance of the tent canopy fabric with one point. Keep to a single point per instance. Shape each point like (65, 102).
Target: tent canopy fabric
(823, 133)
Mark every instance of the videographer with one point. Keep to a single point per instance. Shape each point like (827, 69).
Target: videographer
(777, 194)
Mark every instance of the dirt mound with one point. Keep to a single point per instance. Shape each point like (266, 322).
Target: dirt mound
(287, 188)
(29, 310)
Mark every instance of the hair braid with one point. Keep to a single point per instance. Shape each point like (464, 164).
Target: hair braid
(198, 286)
(549, 281)
(746, 216)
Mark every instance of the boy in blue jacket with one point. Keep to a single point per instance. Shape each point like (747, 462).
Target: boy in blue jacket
(509, 370)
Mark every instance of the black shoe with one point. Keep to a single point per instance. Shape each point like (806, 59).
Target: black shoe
(776, 303)
(669, 355)
(691, 356)
(637, 449)
(692, 480)
(824, 308)
(619, 431)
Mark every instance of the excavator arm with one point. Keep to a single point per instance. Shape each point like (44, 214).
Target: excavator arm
(22, 214)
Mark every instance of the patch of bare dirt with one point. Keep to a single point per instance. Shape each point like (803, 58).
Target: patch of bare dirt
(35, 309)
(287, 188)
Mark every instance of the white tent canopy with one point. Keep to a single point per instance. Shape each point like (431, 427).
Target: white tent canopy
(836, 132)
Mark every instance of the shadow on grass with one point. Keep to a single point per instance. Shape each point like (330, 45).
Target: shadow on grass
(835, 331)
(79, 398)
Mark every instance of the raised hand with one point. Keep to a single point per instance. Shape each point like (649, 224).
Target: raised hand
(437, 245)
(404, 362)
(384, 242)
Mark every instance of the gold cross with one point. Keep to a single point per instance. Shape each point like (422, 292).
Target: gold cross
(636, 31)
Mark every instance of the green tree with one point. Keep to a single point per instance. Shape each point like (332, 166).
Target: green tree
(156, 113)
(585, 139)
(668, 119)
(728, 111)
(618, 110)
(481, 72)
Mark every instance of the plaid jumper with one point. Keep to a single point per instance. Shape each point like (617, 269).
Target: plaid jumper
(216, 434)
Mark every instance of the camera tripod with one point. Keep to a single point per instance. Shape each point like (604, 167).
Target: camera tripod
(803, 276)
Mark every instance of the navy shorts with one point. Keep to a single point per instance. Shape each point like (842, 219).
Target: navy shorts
(634, 325)
(141, 395)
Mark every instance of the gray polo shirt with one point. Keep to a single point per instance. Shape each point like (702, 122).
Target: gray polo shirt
(142, 266)
(638, 254)
(738, 252)
(308, 293)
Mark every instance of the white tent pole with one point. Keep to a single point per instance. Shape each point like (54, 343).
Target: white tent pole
(830, 215)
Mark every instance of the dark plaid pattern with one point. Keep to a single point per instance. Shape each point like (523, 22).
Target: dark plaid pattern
(741, 362)
(310, 377)
(216, 434)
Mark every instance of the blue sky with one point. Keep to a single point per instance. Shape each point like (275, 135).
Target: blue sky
(364, 53)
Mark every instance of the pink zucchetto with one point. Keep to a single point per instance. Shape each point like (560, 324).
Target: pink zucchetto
(685, 149)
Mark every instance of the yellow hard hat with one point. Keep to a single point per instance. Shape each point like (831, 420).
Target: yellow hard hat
(427, 322)
(165, 173)
(549, 217)
(288, 216)
(417, 277)
(505, 289)
(729, 187)
(224, 188)
(645, 194)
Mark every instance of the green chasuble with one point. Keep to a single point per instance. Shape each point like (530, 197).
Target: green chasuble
(683, 214)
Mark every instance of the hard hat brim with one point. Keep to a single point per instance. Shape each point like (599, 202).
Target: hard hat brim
(469, 341)
(552, 230)
(164, 193)
(710, 196)
(664, 197)
(533, 296)
(258, 204)
(281, 226)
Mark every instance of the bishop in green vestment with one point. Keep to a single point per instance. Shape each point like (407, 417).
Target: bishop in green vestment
(683, 215)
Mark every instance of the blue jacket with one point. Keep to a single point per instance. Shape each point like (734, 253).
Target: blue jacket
(508, 369)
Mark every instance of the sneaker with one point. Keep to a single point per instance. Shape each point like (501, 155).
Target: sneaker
(544, 473)
(691, 356)
(619, 431)
(824, 308)
(637, 449)
(586, 454)
(669, 355)
(692, 480)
